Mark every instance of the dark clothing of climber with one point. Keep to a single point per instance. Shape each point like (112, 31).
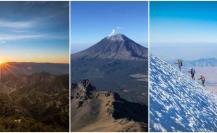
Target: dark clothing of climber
(202, 78)
(192, 72)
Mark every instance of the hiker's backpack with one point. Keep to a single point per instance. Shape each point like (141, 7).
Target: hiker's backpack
(202, 78)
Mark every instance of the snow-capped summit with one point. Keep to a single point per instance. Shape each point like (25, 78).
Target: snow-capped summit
(178, 103)
(117, 37)
(117, 46)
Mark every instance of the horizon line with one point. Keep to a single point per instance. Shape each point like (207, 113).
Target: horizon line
(36, 62)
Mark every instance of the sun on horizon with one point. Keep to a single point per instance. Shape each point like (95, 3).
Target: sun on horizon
(52, 60)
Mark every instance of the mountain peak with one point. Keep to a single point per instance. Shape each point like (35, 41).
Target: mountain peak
(117, 37)
(84, 89)
(116, 46)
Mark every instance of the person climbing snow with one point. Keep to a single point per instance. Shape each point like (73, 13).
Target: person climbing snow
(202, 78)
(180, 64)
(192, 72)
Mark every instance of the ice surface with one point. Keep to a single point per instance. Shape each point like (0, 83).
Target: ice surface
(178, 103)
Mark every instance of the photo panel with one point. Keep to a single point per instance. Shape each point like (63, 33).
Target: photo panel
(183, 66)
(109, 66)
(34, 66)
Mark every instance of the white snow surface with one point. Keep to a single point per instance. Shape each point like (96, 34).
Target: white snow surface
(116, 37)
(178, 103)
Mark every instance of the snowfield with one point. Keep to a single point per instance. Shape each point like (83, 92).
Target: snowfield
(178, 103)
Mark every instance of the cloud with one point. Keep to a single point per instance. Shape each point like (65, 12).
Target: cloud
(4, 38)
(32, 28)
(16, 24)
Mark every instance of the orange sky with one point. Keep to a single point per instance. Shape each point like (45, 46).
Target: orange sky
(45, 59)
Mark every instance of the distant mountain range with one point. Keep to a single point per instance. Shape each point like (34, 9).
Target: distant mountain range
(114, 63)
(31, 68)
(202, 62)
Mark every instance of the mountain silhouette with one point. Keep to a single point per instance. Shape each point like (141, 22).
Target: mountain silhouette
(33, 67)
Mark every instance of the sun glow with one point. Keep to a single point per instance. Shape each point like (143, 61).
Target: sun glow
(2, 63)
(5, 68)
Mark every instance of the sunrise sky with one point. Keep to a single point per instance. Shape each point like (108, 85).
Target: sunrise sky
(34, 32)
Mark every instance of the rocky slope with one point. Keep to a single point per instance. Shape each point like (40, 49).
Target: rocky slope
(94, 110)
(37, 102)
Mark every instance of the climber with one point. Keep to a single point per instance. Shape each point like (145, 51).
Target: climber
(192, 72)
(180, 64)
(202, 78)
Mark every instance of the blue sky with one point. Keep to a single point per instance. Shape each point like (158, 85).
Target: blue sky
(34, 32)
(92, 21)
(183, 29)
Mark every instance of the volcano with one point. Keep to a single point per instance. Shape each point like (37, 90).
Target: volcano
(115, 47)
(116, 63)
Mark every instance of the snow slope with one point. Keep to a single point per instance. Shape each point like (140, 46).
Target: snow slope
(178, 103)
